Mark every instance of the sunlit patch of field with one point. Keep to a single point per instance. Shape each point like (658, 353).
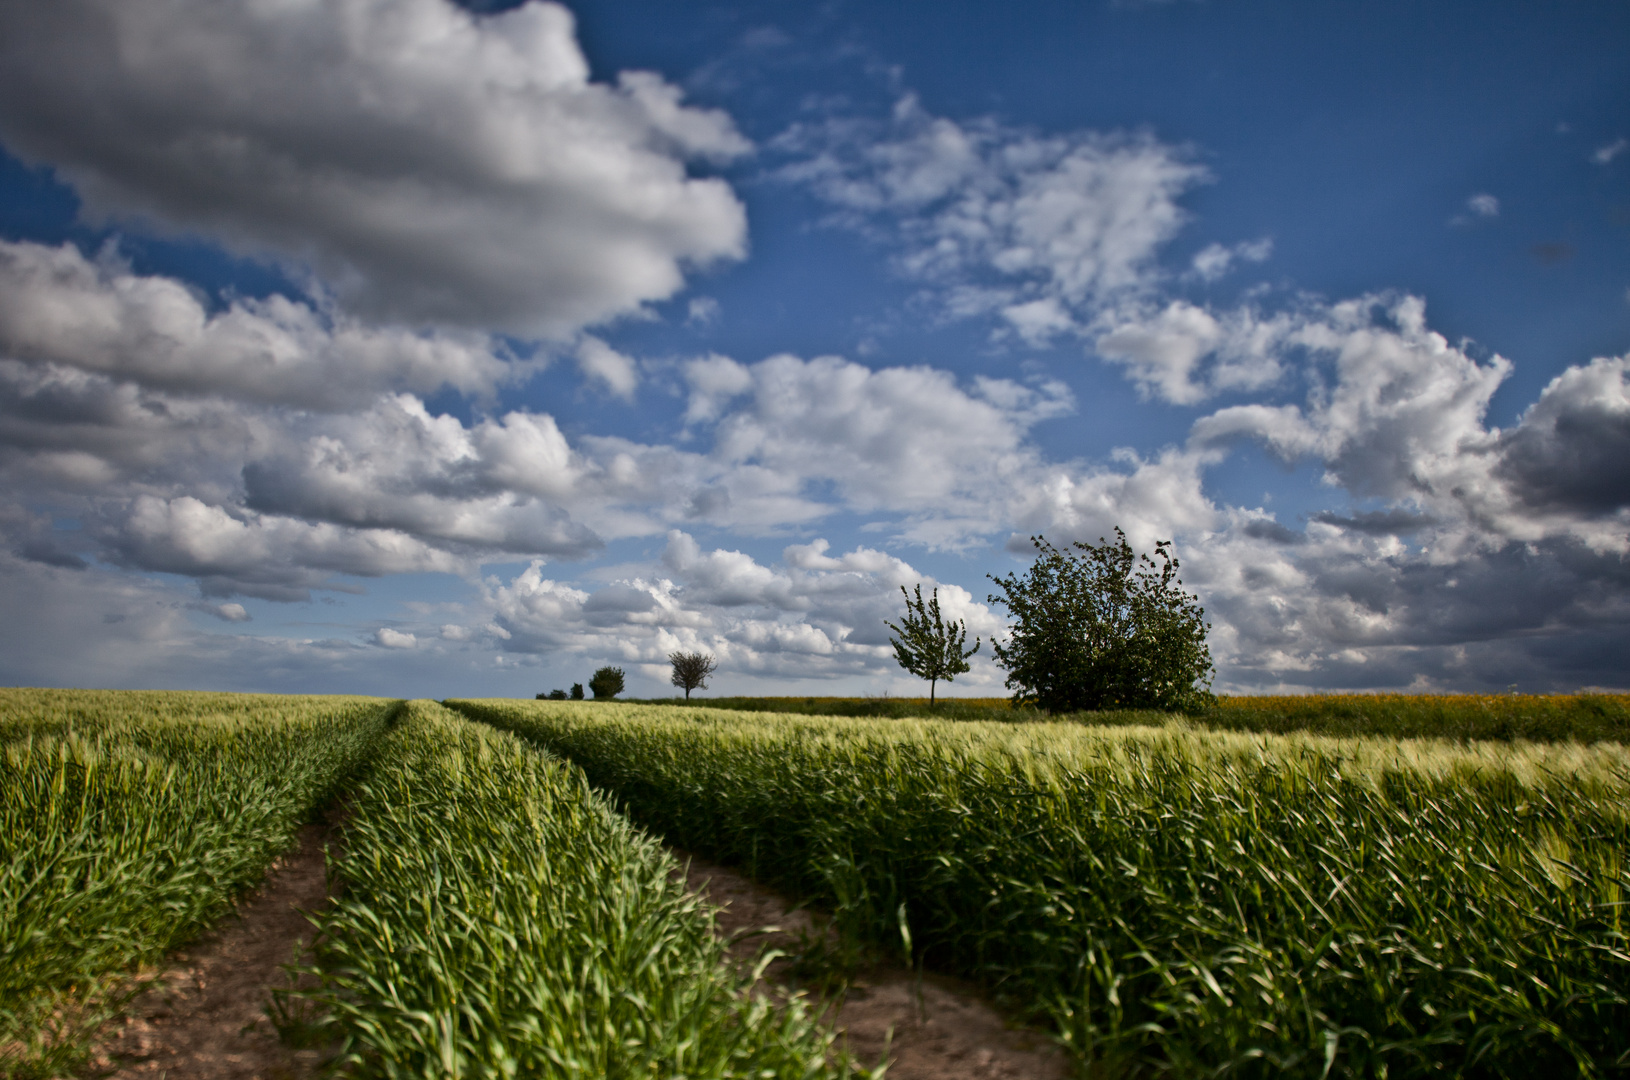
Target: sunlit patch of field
(1583, 717)
(1172, 897)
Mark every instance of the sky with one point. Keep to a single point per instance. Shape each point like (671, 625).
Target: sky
(408, 348)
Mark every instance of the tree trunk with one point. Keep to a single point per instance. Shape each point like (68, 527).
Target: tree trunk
(931, 683)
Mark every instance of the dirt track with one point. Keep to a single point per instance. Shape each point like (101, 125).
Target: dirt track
(205, 1019)
(942, 1028)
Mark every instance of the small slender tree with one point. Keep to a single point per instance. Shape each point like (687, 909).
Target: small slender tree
(577, 691)
(691, 670)
(928, 646)
(606, 683)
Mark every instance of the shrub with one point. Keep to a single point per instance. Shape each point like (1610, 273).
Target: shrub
(606, 683)
(1104, 629)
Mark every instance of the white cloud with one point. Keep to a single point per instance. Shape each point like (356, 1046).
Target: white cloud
(58, 307)
(714, 380)
(1039, 321)
(276, 558)
(1403, 415)
(1151, 499)
(1184, 354)
(496, 485)
(1215, 260)
(1400, 417)
(298, 495)
(1484, 205)
(387, 638)
(902, 440)
(270, 502)
(429, 164)
(605, 365)
(1609, 151)
(702, 311)
(73, 432)
(231, 612)
(1075, 219)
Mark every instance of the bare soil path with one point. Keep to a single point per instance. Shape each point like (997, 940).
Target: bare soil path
(942, 1028)
(205, 1018)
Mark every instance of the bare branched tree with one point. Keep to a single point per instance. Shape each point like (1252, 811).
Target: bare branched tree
(691, 670)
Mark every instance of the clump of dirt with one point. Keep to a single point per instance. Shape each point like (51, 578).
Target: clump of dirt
(932, 1026)
(204, 1017)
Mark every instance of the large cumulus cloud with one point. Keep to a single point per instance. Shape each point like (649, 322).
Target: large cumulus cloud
(427, 163)
(1571, 451)
(59, 307)
(1473, 554)
(1394, 412)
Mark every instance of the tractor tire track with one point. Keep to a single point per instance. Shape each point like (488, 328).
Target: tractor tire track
(204, 1017)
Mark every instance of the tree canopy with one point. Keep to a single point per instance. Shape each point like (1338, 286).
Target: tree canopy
(691, 670)
(1104, 628)
(607, 682)
(929, 647)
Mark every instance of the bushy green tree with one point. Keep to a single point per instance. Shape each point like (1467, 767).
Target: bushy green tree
(577, 691)
(606, 682)
(929, 647)
(1104, 628)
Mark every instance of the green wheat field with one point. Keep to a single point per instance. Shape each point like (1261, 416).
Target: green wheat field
(1356, 886)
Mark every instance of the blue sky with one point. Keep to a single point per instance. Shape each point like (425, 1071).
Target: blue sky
(404, 348)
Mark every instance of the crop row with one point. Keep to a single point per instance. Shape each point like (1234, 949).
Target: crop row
(500, 919)
(1506, 717)
(1178, 901)
(128, 822)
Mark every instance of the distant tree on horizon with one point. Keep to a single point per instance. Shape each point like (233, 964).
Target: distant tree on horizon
(606, 683)
(691, 670)
(577, 691)
(928, 646)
